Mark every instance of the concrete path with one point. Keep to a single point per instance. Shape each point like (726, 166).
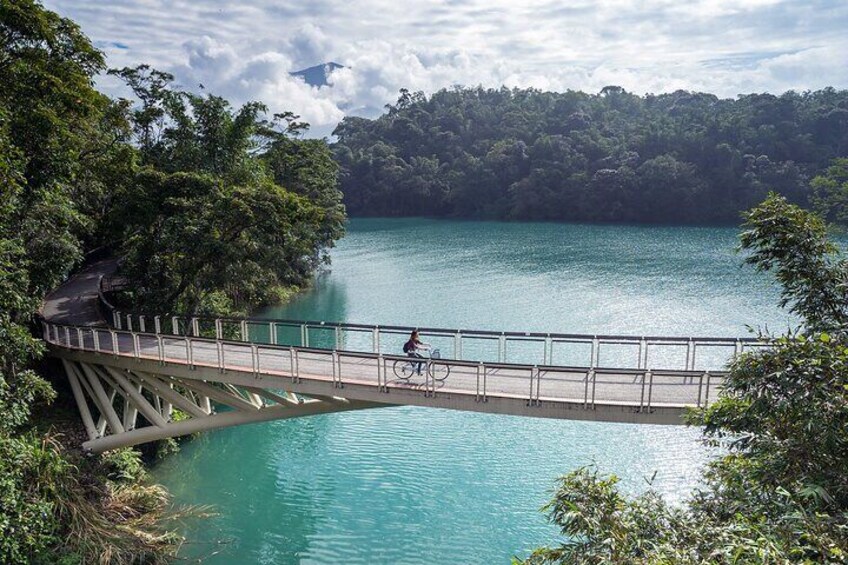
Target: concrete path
(76, 301)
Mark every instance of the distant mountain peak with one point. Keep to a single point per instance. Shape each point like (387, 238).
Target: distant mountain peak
(317, 75)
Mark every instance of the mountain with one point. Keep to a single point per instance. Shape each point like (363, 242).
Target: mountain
(317, 75)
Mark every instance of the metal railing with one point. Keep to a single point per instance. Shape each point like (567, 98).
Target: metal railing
(588, 386)
(533, 348)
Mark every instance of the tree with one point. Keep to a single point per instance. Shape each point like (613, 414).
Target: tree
(780, 494)
(527, 154)
(830, 192)
(230, 210)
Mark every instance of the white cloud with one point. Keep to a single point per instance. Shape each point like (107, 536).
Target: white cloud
(245, 50)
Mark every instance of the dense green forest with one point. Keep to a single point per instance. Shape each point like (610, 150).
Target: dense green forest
(517, 154)
(210, 208)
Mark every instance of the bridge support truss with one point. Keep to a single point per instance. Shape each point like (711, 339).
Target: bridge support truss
(121, 407)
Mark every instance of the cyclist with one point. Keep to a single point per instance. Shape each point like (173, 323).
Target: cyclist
(412, 346)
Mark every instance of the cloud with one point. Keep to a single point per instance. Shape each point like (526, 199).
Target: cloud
(245, 50)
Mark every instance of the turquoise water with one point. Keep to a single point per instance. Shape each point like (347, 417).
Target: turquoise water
(416, 485)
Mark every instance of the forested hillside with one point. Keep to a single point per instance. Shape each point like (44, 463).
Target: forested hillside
(613, 157)
(210, 208)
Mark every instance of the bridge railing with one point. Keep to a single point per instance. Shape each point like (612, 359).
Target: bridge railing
(559, 349)
(640, 389)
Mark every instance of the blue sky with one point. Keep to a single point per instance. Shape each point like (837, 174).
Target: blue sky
(244, 50)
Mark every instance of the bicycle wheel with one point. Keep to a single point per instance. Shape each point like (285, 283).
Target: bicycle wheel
(403, 369)
(438, 371)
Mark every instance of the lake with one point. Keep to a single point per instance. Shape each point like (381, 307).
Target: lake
(418, 485)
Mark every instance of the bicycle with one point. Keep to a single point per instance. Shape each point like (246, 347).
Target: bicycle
(406, 369)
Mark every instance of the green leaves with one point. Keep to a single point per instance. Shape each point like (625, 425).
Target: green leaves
(780, 492)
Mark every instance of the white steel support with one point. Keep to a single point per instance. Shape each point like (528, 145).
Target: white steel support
(79, 396)
(104, 403)
(222, 420)
(164, 390)
(138, 401)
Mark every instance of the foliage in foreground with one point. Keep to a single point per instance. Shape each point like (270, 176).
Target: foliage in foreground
(60, 507)
(780, 494)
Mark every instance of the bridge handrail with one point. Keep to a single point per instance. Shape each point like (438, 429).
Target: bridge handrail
(642, 386)
(609, 338)
(197, 326)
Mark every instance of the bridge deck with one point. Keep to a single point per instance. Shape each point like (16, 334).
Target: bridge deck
(631, 394)
(136, 367)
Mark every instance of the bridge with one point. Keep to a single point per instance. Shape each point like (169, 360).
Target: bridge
(129, 375)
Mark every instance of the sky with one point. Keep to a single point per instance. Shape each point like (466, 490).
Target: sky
(245, 50)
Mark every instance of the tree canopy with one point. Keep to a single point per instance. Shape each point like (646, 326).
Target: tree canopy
(192, 194)
(683, 157)
(780, 493)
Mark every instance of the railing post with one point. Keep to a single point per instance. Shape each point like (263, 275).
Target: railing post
(645, 355)
(548, 354)
(80, 341)
(244, 331)
(175, 325)
(296, 372)
(707, 391)
(690, 355)
(136, 346)
(589, 374)
(96, 339)
(382, 382)
(254, 357)
(336, 381)
(375, 339)
(639, 353)
(67, 337)
(157, 324)
(129, 322)
(304, 333)
(650, 388)
(160, 349)
(115, 349)
(502, 348)
(594, 382)
(195, 327)
(737, 348)
(338, 336)
(479, 371)
(533, 370)
(595, 352)
(219, 348)
(485, 381)
(142, 324)
(700, 389)
(642, 395)
(189, 353)
(219, 330)
(117, 318)
(538, 385)
(272, 332)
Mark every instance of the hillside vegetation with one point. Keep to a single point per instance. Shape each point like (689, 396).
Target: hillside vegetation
(683, 157)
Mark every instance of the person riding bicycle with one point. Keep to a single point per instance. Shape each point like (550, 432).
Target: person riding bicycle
(412, 346)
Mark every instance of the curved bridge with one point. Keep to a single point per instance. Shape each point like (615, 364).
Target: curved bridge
(128, 377)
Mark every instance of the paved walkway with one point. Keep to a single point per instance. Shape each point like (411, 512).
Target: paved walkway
(76, 302)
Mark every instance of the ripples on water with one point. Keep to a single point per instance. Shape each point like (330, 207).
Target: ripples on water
(417, 485)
